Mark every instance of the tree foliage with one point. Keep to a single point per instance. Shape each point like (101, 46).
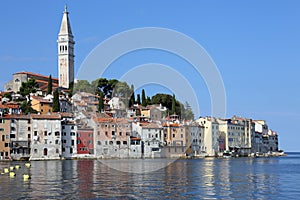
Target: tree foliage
(138, 99)
(132, 98)
(55, 104)
(83, 86)
(187, 112)
(25, 90)
(144, 100)
(101, 102)
(167, 101)
(49, 89)
(28, 87)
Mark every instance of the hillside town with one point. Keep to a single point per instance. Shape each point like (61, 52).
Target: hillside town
(42, 118)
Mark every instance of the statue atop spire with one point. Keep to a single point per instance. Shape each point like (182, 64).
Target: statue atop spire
(66, 8)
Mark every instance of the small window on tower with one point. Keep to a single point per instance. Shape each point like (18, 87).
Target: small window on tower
(66, 48)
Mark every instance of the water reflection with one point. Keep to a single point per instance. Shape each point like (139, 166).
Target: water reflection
(265, 178)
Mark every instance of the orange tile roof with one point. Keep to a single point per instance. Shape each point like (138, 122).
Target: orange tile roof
(37, 75)
(46, 116)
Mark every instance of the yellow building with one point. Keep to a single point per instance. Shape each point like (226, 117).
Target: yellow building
(4, 137)
(41, 104)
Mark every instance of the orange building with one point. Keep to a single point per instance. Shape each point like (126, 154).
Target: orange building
(41, 104)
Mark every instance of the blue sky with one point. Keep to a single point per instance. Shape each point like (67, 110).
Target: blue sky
(255, 45)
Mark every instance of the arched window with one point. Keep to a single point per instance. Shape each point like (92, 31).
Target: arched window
(45, 151)
(66, 48)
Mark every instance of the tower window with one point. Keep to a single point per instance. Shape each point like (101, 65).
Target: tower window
(66, 48)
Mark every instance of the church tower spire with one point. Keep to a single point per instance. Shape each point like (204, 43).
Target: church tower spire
(65, 44)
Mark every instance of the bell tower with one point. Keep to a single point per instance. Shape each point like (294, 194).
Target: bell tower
(65, 44)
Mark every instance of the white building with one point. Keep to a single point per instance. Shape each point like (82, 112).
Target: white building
(46, 137)
(211, 135)
(69, 137)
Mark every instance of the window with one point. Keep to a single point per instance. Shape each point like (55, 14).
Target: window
(29, 135)
(72, 127)
(45, 141)
(6, 144)
(71, 150)
(111, 142)
(181, 135)
(56, 141)
(63, 149)
(120, 133)
(113, 133)
(57, 150)
(72, 142)
(57, 133)
(65, 133)
(99, 142)
(3, 137)
(35, 151)
(63, 127)
(78, 142)
(173, 135)
(64, 141)
(45, 133)
(90, 142)
(90, 135)
(118, 142)
(72, 133)
(125, 142)
(35, 133)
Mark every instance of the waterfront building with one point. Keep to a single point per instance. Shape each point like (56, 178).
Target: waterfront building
(112, 137)
(152, 138)
(65, 45)
(211, 135)
(46, 137)
(85, 142)
(69, 136)
(195, 134)
(175, 139)
(4, 137)
(20, 136)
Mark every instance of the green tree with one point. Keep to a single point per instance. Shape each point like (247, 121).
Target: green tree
(49, 89)
(8, 95)
(148, 100)
(28, 87)
(144, 101)
(55, 104)
(173, 104)
(71, 87)
(105, 86)
(138, 99)
(25, 90)
(132, 99)
(187, 112)
(83, 86)
(101, 102)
